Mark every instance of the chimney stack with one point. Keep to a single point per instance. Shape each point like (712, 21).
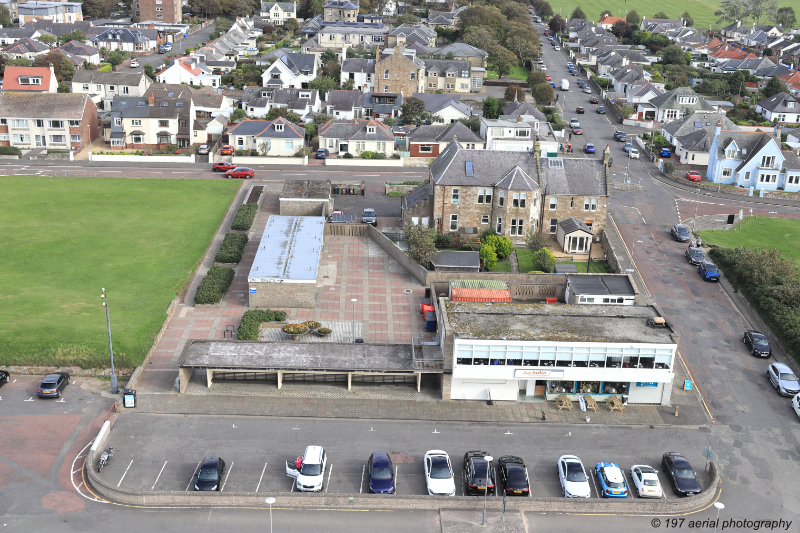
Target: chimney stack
(151, 100)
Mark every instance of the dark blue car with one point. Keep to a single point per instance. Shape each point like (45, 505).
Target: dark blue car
(381, 475)
(664, 152)
(709, 271)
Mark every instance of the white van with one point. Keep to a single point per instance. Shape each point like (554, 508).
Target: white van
(312, 469)
(564, 85)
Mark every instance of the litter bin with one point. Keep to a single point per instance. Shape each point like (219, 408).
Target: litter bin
(129, 398)
(336, 189)
(430, 321)
(426, 309)
(423, 302)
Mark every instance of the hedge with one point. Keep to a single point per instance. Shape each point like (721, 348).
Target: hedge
(244, 217)
(9, 150)
(252, 319)
(214, 284)
(231, 250)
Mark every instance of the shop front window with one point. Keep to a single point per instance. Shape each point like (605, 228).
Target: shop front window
(588, 387)
(614, 358)
(514, 356)
(561, 387)
(480, 354)
(611, 387)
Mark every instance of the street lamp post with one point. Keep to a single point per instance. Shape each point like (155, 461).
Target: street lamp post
(354, 300)
(695, 208)
(114, 389)
(270, 501)
(719, 507)
(488, 459)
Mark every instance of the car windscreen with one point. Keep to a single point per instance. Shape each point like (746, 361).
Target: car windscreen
(682, 230)
(369, 213)
(516, 476)
(311, 470)
(683, 470)
(788, 376)
(207, 473)
(382, 473)
(710, 267)
(697, 254)
(575, 472)
(761, 341)
(439, 468)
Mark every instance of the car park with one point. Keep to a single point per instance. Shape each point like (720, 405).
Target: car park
(693, 175)
(757, 343)
(579, 110)
(478, 473)
(439, 474)
(611, 482)
(240, 172)
(633, 153)
(796, 404)
(694, 255)
(513, 475)
(381, 475)
(601, 110)
(309, 469)
(369, 216)
(664, 152)
(680, 233)
(587, 90)
(322, 153)
(708, 271)
(53, 385)
(209, 477)
(578, 131)
(680, 474)
(202, 149)
(589, 148)
(645, 479)
(783, 379)
(5, 377)
(620, 136)
(593, 100)
(222, 166)
(574, 481)
(226, 150)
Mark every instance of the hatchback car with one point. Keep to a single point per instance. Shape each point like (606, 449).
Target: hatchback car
(549, 77)
(5, 377)
(627, 147)
(611, 481)
(573, 477)
(309, 469)
(664, 152)
(226, 150)
(369, 216)
(222, 166)
(478, 473)
(53, 384)
(694, 255)
(783, 379)
(693, 175)
(645, 479)
(594, 100)
(578, 131)
(573, 123)
(757, 343)
(513, 475)
(620, 136)
(680, 233)
(381, 475)
(557, 48)
(587, 90)
(439, 474)
(240, 172)
(322, 153)
(680, 474)
(708, 271)
(202, 149)
(134, 63)
(601, 110)
(589, 148)
(633, 153)
(209, 477)
(579, 110)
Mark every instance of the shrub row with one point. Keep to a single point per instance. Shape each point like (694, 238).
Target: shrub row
(9, 150)
(214, 284)
(231, 250)
(244, 217)
(252, 319)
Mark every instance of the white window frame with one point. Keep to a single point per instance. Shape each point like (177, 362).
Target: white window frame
(767, 161)
(727, 172)
(136, 122)
(590, 204)
(553, 226)
(484, 219)
(454, 195)
(75, 138)
(767, 178)
(453, 222)
(553, 203)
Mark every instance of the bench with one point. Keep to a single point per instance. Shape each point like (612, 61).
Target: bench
(562, 402)
(591, 403)
(615, 402)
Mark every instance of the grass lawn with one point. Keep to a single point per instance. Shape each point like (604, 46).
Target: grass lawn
(525, 258)
(596, 267)
(65, 238)
(502, 266)
(516, 72)
(759, 232)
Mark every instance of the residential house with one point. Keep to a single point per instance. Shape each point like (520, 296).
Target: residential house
(103, 87)
(607, 21)
(166, 11)
(654, 25)
(345, 104)
(12, 35)
(448, 75)
(429, 141)
(517, 109)
(189, 70)
(445, 108)
(258, 101)
(24, 48)
(291, 71)
(361, 71)
(55, 11)
(780, 107)
(76, 61)
(628, 76)
(751, 65)
(693, 136)
(407, 34)
(685, 36)
(60, 28)
(53, 120)
(276, 13)
(639, 97)
(30, 80)
(793, 137)
(153, 122)
(340, 11)
(592, 42)
(341, 34)
(463, 52)
(398, 70)
(208, 104)
(277, 137)
(735, 31)
(444, 19)
(269, 58)
(356, 137)
(84, 52)
(125, 39)
(508, 135)
(678, 103)
(382, 105)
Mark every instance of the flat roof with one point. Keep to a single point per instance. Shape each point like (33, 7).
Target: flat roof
(457, 259)
(289, 250)
(300, 356)
(617, 285)
(306, 189)
(555, 322)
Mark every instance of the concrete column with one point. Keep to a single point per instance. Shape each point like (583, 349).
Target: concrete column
(280, 379)
(349, 380)
(419, 380)
(209, 376)
(185, 374)
(666, 392)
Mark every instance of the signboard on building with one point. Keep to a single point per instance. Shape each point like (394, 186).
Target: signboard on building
(252, 290)
(538, 373)
(646, 384)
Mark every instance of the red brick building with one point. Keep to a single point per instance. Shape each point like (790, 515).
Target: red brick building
(168, 11)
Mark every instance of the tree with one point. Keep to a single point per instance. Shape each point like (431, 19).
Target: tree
(421, 241)
(491, 107)
(620, 29)
(633, 18)
(731, 11)
(673, 55)
(785, 17)
(535, 241)
(407, 18)
(97, 8)
(413, 111)
(687, 19)
(543, 93)
(116, 57)
(767, 52)
(323, 84)
(515, 93)
(775, 86)
(149, 71)
(5, 17)
(284, 112)
(330, 65)
(545, 10)
(74, 35)
(239, 114)
(522, 41)
(557, 24)
(660, 15)
(503, 246)
(718, 88)
(477, 16)
(311, 129)
(241, 8)
(291, 26)
(544, 261)
(63, 67)
(578, 13)
(264, 148)
(536, 77)
(626, 111)
(63, 87)
(481, 38)
(47, 39)
(605, 12)
(762, 8)
(349, 85)
(488, 256)
(502, 59)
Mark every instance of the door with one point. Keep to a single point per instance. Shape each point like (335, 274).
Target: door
(39, 140)
(291, 470)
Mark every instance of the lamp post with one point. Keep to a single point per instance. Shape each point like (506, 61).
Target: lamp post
(719, 507)
(695, 208)
(488, 459)
(270, 501)
(354, 300)
(114, 389)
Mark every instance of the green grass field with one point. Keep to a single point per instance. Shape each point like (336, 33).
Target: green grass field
(65, 238)
(702, 11)
(516, 72)
(759, 232)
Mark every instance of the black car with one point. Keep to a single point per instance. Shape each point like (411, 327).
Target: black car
(210, 475)
(757, 342)
(513, 475)
(381, 475)
(53, 384)
(680, 474)
(681, 233)
(5, 377)
(694, 255)
(620, 136)
(580, 110)
(475, 470)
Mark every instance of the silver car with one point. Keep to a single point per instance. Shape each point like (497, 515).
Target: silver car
(202, 149)
(694, 255)
(783, 379)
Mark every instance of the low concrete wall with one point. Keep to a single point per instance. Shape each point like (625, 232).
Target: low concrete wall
(418, 161)
(248, 160)
(9, 157)
(53, 157)
(348, 230)
(363, 162)
(143, 158)
(413, 268)
(23, 370)
(397, 187)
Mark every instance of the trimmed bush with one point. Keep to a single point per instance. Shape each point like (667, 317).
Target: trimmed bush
(214, 284)
(367, 155)
(9, 150)
(244, 217)
(379, 155)
(251, 321)
(231, 250)
(347, 155)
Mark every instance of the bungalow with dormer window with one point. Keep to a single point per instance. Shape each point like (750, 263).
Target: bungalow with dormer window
(780, 107)
(356, 137)
(258, 101)
(291, 71)
(30, 79)
(678, 103)
(278, 137)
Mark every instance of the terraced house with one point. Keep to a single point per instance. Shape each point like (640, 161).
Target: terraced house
(56, 121)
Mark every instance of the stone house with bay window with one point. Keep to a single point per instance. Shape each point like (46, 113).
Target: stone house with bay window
(281, 137)
(356, 137)
(153, 122)
(52, 120)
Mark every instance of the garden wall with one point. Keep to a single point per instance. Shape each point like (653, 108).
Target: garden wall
(248, 160)
(363, 162)
(143, 158)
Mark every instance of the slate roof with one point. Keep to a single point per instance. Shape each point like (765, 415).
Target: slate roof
(372, 101)
(201, 96)
(18, 33)
(436, 102)
(517, 179)
(461, 50)
(417, 29)
(344, 100)
(299, 63)
(79, 49)
(572, 224)
(289, 98)
(444, 133)
(668, 100)
(60, 28)
(26, 45)
(791, 161)
(449, 258)
(66, 106)
(576, 176)
(341, 4)
(357, 64)
(138, 106)
(418, 195)
(628, 74)
(266, 129)
(747, 140)
(489, 167)
(285, 6)
(516, 109)
(356, 130)
(126, 35)
(76, 60)
(778, 104)
(108, 78)
(708, 121)
(448, 65)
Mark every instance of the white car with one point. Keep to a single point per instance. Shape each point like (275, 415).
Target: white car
(796, 404)
(439, 474)
(134, 63)
(573, 477)
(308, 470)
(557, 48)
(645, 479)
(633, 153)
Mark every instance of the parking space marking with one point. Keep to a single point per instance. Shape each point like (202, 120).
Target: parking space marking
(625, 477)
(123, 475)
(361, 486)
(528, 479)
(396, 479)
(29, 399)
(157, 477)
(226, 478)
(330, 470)
(262, 476)
(594, 485)
(195, 473)
(293, 484)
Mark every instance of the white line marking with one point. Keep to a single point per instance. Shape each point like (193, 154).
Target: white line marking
(529, 483)
(295, 428)
(330, 470)
(294, 482)
(593, 483)
(60, 401)
(434, 430)
(29, 399)
(395, 478)
(361, 486)
(123, 475)
(226, 478)
(262, 476)
(74, 471)
(72, 478)
(159, 475)
(194, 474)
(508, 433)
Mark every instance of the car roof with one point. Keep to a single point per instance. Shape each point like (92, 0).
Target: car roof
(569, 458)
(612, 471)
(476, 454)
(52, 377)
(646, 469)
(754, 332)
(212, 460)
(511, 459)
(782, 367)
(380, 459)
(680, 226)
(313, 455)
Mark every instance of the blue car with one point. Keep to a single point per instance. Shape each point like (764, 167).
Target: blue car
(381, 474)
(611, 481)
(709, 271)
(589, 148)
(553, 84)
(664, 152)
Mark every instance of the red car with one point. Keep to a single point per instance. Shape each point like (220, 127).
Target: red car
(226, 150)
(549, 77)
(577, 131)
(693, 176)
(240, 172)
(223, 166)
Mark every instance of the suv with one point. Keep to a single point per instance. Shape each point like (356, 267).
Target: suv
(476, 469)
(369, 217)
(709, 271)
(620, 136)
(322, 153)
(665, 152)
(573, 123)
(309, 469)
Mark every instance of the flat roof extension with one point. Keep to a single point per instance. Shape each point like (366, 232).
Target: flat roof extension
(289, 250)
(313, 189)
(601, 284)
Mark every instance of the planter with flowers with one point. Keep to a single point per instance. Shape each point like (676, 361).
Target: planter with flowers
(295, 330)
(312, 325)
(324, 332)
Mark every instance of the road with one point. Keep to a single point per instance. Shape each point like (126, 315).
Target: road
(192, 41)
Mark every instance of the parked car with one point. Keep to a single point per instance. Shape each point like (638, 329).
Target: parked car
(783, 379)
(601, 110)
(680, 474)
(5, 377)
(369, 217)
(381, 475)
(709, 271)
(680, 233)
(620, 136)
(627, 147)
(573, 123)
(645, 479)
(222, 166)
(322, 153)
(633, 153)
(308, 470)
(134, 63)
(572, 475)
(594, 100)
(513, 475)
(581, 83)
(209, 477)
(240, 172)
(611, 481)
(574, 72)
(549, 77)
(226, 150)
(202, 149)
(439, 474)
(694, 255)
(757, 343)
(478, 473)
(589, 148)
(664, 152)
(53, 384)
(796, 404)
(587, 90)
(693, 175)
(557, 48)
(579, 110)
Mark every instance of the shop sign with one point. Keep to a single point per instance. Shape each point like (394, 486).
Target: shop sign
(252, 290)
(538, 373)
(687, 384)
(646, 384)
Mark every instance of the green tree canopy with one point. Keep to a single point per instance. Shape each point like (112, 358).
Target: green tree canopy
(687, 19)
(774, 86)
(660, 15)
(491, 107)
(536, 77)
(407, 18)
(633, 18)
(413, 111)
(323, 84)
(543, 94)
(578, 13)
(673, 55)
(421, 241)
(116, 57)
(785, 17)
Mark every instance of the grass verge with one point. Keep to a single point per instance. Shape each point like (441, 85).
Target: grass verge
(759, 232)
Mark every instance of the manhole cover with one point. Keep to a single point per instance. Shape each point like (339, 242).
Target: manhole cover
(407, 291)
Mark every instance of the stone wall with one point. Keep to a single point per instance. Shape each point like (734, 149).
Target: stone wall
(398, 187)
(303, 295)
(305, 208)
(413, 268)
(348, 230)
(572, 206)
(400, 69)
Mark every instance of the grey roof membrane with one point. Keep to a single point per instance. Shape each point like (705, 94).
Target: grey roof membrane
(289, 250)
(616, 284)
(457, 259)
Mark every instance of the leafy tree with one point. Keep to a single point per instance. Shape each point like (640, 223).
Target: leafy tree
(311, 129)
(472, 123)
(47, 39)
(349, 85)
(687, 19)
(488, 256)
(544, 261)
(557, 24)
(63, 67)
(660, 15)
(421, 241)
(502, 59)
(291, 26)
(536, 77)
(731, 11)
(239, 114)
(482, 38)
(74, 35)
(503, 246)
(785, 17)
(116, 57)
(605, 12)
(284, 112)
(491, 107)
(515, 93)
(767, 52)
(543, 93)
(633, 18)
(578, 13)
(323, 84)
(330, 65)
(240, 8)
(762, 8)
(413, 111)
(390, 121)
(620, 29)
(5, 17)
(544, 9)
(407, 18)
(522, 41)
(481, 16)
(718, 88)
(626, 111)
(269, 29)
(673, 55)
(97, 8)
(63, 87)
(774, 86)
(149, 71)
(321, 118)
(535, 241)
(264, 147)
(668, 168)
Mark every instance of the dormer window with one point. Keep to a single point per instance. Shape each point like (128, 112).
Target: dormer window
(278, 127)
(29, 80)
(789, 103)
(370, 129)
(305, 95)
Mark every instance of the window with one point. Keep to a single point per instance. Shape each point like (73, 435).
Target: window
(116, 142)
(4, 121)
(481, 195)
(499, 226)
(432, 85)
(590, 204)
(137, 139)
(370, 129)
(381, 146)
(553, 203)
(672, 114)
(413, 75)
(515, 201)
(182, 123)
(163, 123)
(385, 72)
(455, 196)
(5, 137)
(535, 199)
(484, 219)
(111, 87)
(501, 198)
(16, 123)
(98, 87)
(730, 153)
(74, 123)
(451, 74)
(553, 225)
(453, 222)
(28, 80)
(450, 86)
(136, 122)
(767, 178)
(517, 226)
(386, 88)
(465, 86)
(522, 133)
(278, 127)
(767, 161)
(793, 179)
(85, 86)
(39, 123)
(240, 141)
(125, 90)
(727, 172)
(289, 145)
(75, 138)
(25, 139)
